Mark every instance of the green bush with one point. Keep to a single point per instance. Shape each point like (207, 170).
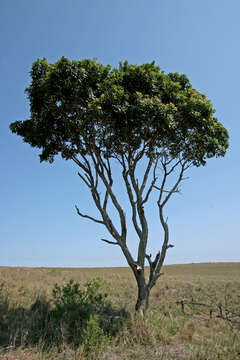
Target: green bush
(72, 301)
(78, 316)
(73, 308)
(93, 336)
(83, 315)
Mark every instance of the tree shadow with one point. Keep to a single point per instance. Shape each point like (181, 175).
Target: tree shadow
(43, 324)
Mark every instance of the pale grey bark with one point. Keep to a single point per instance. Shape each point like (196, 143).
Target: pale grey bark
(95, 169)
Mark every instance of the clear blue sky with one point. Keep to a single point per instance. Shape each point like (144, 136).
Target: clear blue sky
(38, 223)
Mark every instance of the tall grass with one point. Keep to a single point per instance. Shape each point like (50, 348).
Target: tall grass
(194, 314)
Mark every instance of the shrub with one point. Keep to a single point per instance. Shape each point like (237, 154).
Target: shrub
(78, 312)
(93, 337)
(78, 316)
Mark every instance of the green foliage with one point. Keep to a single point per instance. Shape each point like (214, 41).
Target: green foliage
(75, 316)
(77, 310)
(69, 300)
(76, 105)
(93, 336)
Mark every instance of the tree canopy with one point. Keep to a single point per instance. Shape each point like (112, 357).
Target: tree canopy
(75, 104)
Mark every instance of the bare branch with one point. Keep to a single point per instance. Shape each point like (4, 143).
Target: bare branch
(161, 188)
(154, 264)
(145, 177)
(131, 198)
(97, 160)
(93, 183)
(88, 217)
(169, 191)
(98, 164)
(109, 172)
(105, 200)
(110, 242)
(152, 183)
(80, 164)
(88, 181)
(148, 257)
(140, 211)
(106, 218)
(154, 274)
(174, 188)
(173, 167)
(142, 218)
(139, 155)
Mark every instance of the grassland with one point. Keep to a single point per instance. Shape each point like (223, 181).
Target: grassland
(194, 313)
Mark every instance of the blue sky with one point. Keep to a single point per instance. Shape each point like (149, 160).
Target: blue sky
(38, 222)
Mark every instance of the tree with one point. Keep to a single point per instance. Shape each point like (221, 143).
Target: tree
(136, 116)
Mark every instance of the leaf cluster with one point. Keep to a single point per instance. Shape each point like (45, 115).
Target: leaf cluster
(79, 105)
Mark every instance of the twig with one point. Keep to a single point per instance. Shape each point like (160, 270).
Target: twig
(110, 242)
(88, 217)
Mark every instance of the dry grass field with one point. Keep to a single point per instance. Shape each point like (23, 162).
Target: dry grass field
(194, 314)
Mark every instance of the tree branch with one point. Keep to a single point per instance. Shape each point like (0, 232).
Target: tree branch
(174, 188)
(141, 214)
(88, 181)
(152, 183)
(131, 199)
(93, 183)
(105, 201)
(108, 185)
(155, 273)
(110, 242)
(145, 177)
(88, 217)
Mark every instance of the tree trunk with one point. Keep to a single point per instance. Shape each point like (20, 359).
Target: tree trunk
(143, 297)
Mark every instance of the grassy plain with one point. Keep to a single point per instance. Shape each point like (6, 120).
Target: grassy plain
(194, 313)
